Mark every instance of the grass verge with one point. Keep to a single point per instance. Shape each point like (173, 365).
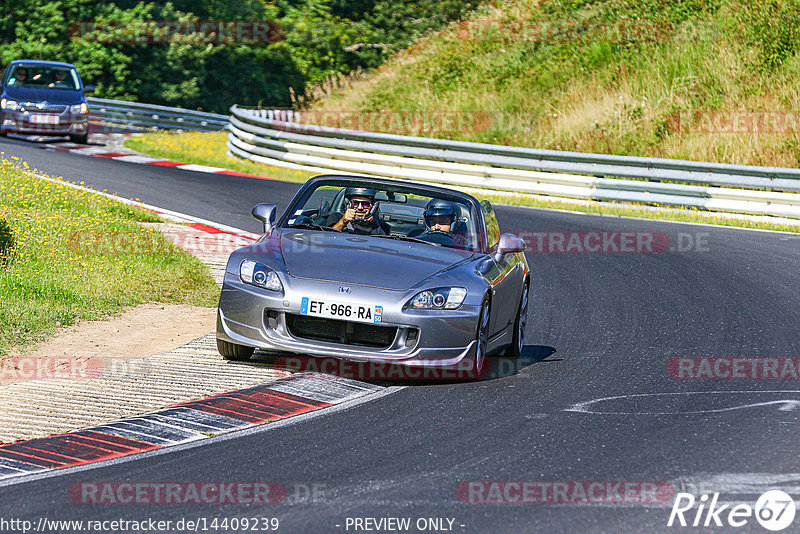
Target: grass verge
(68, 255)
(206, 148)
(209, 149)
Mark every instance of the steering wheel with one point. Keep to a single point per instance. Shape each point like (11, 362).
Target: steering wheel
(438, 237)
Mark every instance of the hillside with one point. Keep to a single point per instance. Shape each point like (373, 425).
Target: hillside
(712, 80)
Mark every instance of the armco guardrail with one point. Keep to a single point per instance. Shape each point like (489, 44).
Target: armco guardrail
(280, 138)
(153, 116)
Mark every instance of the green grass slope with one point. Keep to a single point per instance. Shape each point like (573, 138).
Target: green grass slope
(712, 80)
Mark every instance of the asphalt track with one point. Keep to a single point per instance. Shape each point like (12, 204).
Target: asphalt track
(601, 325)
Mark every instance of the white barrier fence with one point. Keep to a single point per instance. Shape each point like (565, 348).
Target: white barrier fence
(281, 138)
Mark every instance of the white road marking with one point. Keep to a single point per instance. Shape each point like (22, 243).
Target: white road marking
(784, 405)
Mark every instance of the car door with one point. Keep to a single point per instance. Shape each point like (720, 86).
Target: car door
(504, 275)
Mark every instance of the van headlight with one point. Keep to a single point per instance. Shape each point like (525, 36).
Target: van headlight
(256, 274)
(10, 105)
(81, 108)
(443, 298)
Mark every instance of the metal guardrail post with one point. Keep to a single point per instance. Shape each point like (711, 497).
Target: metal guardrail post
(154, 116)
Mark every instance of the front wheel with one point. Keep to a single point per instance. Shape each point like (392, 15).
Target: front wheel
(232, 351)
(81, 139)
(481, 339)
(518, 342)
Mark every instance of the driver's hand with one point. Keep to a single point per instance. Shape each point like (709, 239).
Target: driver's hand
(349, 215)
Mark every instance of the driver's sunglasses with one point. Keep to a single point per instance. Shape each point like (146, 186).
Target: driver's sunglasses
(361, 203)
(440, 220)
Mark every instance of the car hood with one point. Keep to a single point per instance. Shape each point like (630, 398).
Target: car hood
(51, 96)
(364, 260)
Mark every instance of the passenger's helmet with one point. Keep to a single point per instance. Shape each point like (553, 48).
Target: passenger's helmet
(438, 208)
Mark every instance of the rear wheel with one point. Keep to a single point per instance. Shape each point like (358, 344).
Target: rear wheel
(515, 349)
(232, 351)
(81, 139)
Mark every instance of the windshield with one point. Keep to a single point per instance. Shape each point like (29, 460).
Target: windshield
(388, 212)
(44, 76)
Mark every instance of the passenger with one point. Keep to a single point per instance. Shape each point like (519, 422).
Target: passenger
(441, 222)
(361, 213)
(439, 216)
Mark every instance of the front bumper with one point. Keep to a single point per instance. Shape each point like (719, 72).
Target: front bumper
(29, 122)
(254, 317)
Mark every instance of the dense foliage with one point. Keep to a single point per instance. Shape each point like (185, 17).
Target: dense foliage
(315, 39)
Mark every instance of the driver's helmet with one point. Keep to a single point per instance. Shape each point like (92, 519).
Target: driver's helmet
(439, 208)
(351, 192)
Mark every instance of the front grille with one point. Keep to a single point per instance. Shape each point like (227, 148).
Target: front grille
(47, 109)
(344, 332)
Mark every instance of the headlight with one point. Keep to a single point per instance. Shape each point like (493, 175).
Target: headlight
(444, 298)
(259, 275)
(10, 105)
(79, 108)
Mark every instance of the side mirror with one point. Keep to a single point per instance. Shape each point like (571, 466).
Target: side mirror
(509, 244)
(89, 89)
(266, 214)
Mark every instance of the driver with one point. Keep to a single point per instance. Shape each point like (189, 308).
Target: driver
(361, 215)
(60, 79)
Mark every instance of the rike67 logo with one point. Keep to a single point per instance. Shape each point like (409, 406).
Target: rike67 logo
(774, 510)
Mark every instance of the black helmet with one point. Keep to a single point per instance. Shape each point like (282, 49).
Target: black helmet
(438, 208)
(359, 192)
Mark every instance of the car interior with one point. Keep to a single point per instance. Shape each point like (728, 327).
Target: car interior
(403, 214)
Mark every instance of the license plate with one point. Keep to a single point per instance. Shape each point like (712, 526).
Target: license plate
(44, 119)
(361, 313)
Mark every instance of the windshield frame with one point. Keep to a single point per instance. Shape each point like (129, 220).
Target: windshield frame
(40, 69)
(302, 196)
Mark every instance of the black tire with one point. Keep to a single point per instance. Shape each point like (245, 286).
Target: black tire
(81, 139)
(482, 336)
(518, 342)
(232, 351)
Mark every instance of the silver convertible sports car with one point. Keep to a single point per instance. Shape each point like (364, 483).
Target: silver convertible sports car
(370, 269)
